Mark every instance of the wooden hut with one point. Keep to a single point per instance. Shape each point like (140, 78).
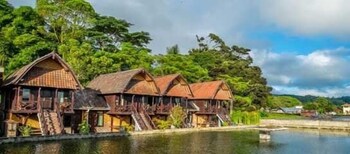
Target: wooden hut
(174, 90)
(213, 100)
(41, 95)
(91, 106)
(132, 97)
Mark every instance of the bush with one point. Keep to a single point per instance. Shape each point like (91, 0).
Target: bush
(163, 124)
(84, 128)
(263, 114)
(236, 117)
(129, 128)
(246, 118)
(177, 116)
(25, 130)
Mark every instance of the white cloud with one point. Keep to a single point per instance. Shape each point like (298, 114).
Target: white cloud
(321, 72)
(309, 17)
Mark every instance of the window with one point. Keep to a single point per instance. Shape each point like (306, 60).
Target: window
(177, 101)
(100, 119)
(25, 95)
(63, 96)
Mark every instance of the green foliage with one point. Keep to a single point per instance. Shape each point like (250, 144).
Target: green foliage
(94, 44)
(246, 118)
(90, 43)
(321, 104)
(264, 114)
(163, 124)
(25, 130)
(173, 62)
(233, 64)
(236, 117)
(177, 116)
(225, 124)
(129, 128)
(84, 128)
(275, 102)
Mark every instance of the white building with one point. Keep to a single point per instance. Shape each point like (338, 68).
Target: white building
(346, 109)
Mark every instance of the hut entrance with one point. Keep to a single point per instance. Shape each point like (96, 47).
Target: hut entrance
(47, 98)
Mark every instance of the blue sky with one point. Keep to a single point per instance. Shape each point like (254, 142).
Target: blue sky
(303, 47)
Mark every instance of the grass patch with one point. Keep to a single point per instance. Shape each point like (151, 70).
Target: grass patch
(281, 116)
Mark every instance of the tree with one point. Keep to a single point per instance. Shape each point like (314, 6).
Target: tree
(232, 64)
(174, 62)
(92, 44)
(22, 41)
(321, 104)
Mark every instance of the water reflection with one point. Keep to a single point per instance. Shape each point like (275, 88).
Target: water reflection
(291, 141)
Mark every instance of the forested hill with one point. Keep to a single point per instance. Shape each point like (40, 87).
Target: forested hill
(310, 98)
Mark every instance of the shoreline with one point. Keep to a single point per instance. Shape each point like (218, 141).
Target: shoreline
(338, 126)
(308, 124)
(21, 139)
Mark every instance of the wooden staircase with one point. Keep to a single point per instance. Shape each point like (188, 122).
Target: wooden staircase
(50, 123)
(142, 120)
(224, 118)
(36, 132)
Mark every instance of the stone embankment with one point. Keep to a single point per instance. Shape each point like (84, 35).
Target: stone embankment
(313, 124)
(5, 140)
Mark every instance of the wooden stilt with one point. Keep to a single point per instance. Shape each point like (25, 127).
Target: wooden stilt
(111, 123)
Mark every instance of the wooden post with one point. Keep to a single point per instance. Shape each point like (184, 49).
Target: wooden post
(111, 123)
(55, 102)
(19, 97)
(120, 121)
(39, 100)
(73, 99)
(15, 99)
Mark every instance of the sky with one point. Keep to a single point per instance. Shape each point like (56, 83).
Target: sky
(302, 47)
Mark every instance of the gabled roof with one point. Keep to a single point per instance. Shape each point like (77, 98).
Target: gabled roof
(18, 75)
(89, 99)
(118, 82)
(164, 84)
(346, 105)
(210, 90)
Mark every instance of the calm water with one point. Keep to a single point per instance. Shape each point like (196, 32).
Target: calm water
(284, 142)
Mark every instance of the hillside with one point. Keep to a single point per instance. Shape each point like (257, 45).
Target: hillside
(309, 98)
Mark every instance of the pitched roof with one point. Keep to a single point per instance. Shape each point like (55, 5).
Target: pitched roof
(119, 82)
(210, 90)
(346, 105)
(164, 84)
(16, 77)
(89, 99)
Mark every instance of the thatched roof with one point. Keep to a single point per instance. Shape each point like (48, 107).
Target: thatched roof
(20, 75)
(211, 90)
(174, 85)
(89, 99)
(124, 82)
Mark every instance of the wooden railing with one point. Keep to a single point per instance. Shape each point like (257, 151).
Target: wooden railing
(145, 112)
(123, 109)
(62, 131)
(208, 110)
(164, 108)
(66, 107)
(44, 127)
(29, 106)
(138, 119)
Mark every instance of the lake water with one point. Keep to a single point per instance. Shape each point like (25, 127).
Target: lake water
(222, 142)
